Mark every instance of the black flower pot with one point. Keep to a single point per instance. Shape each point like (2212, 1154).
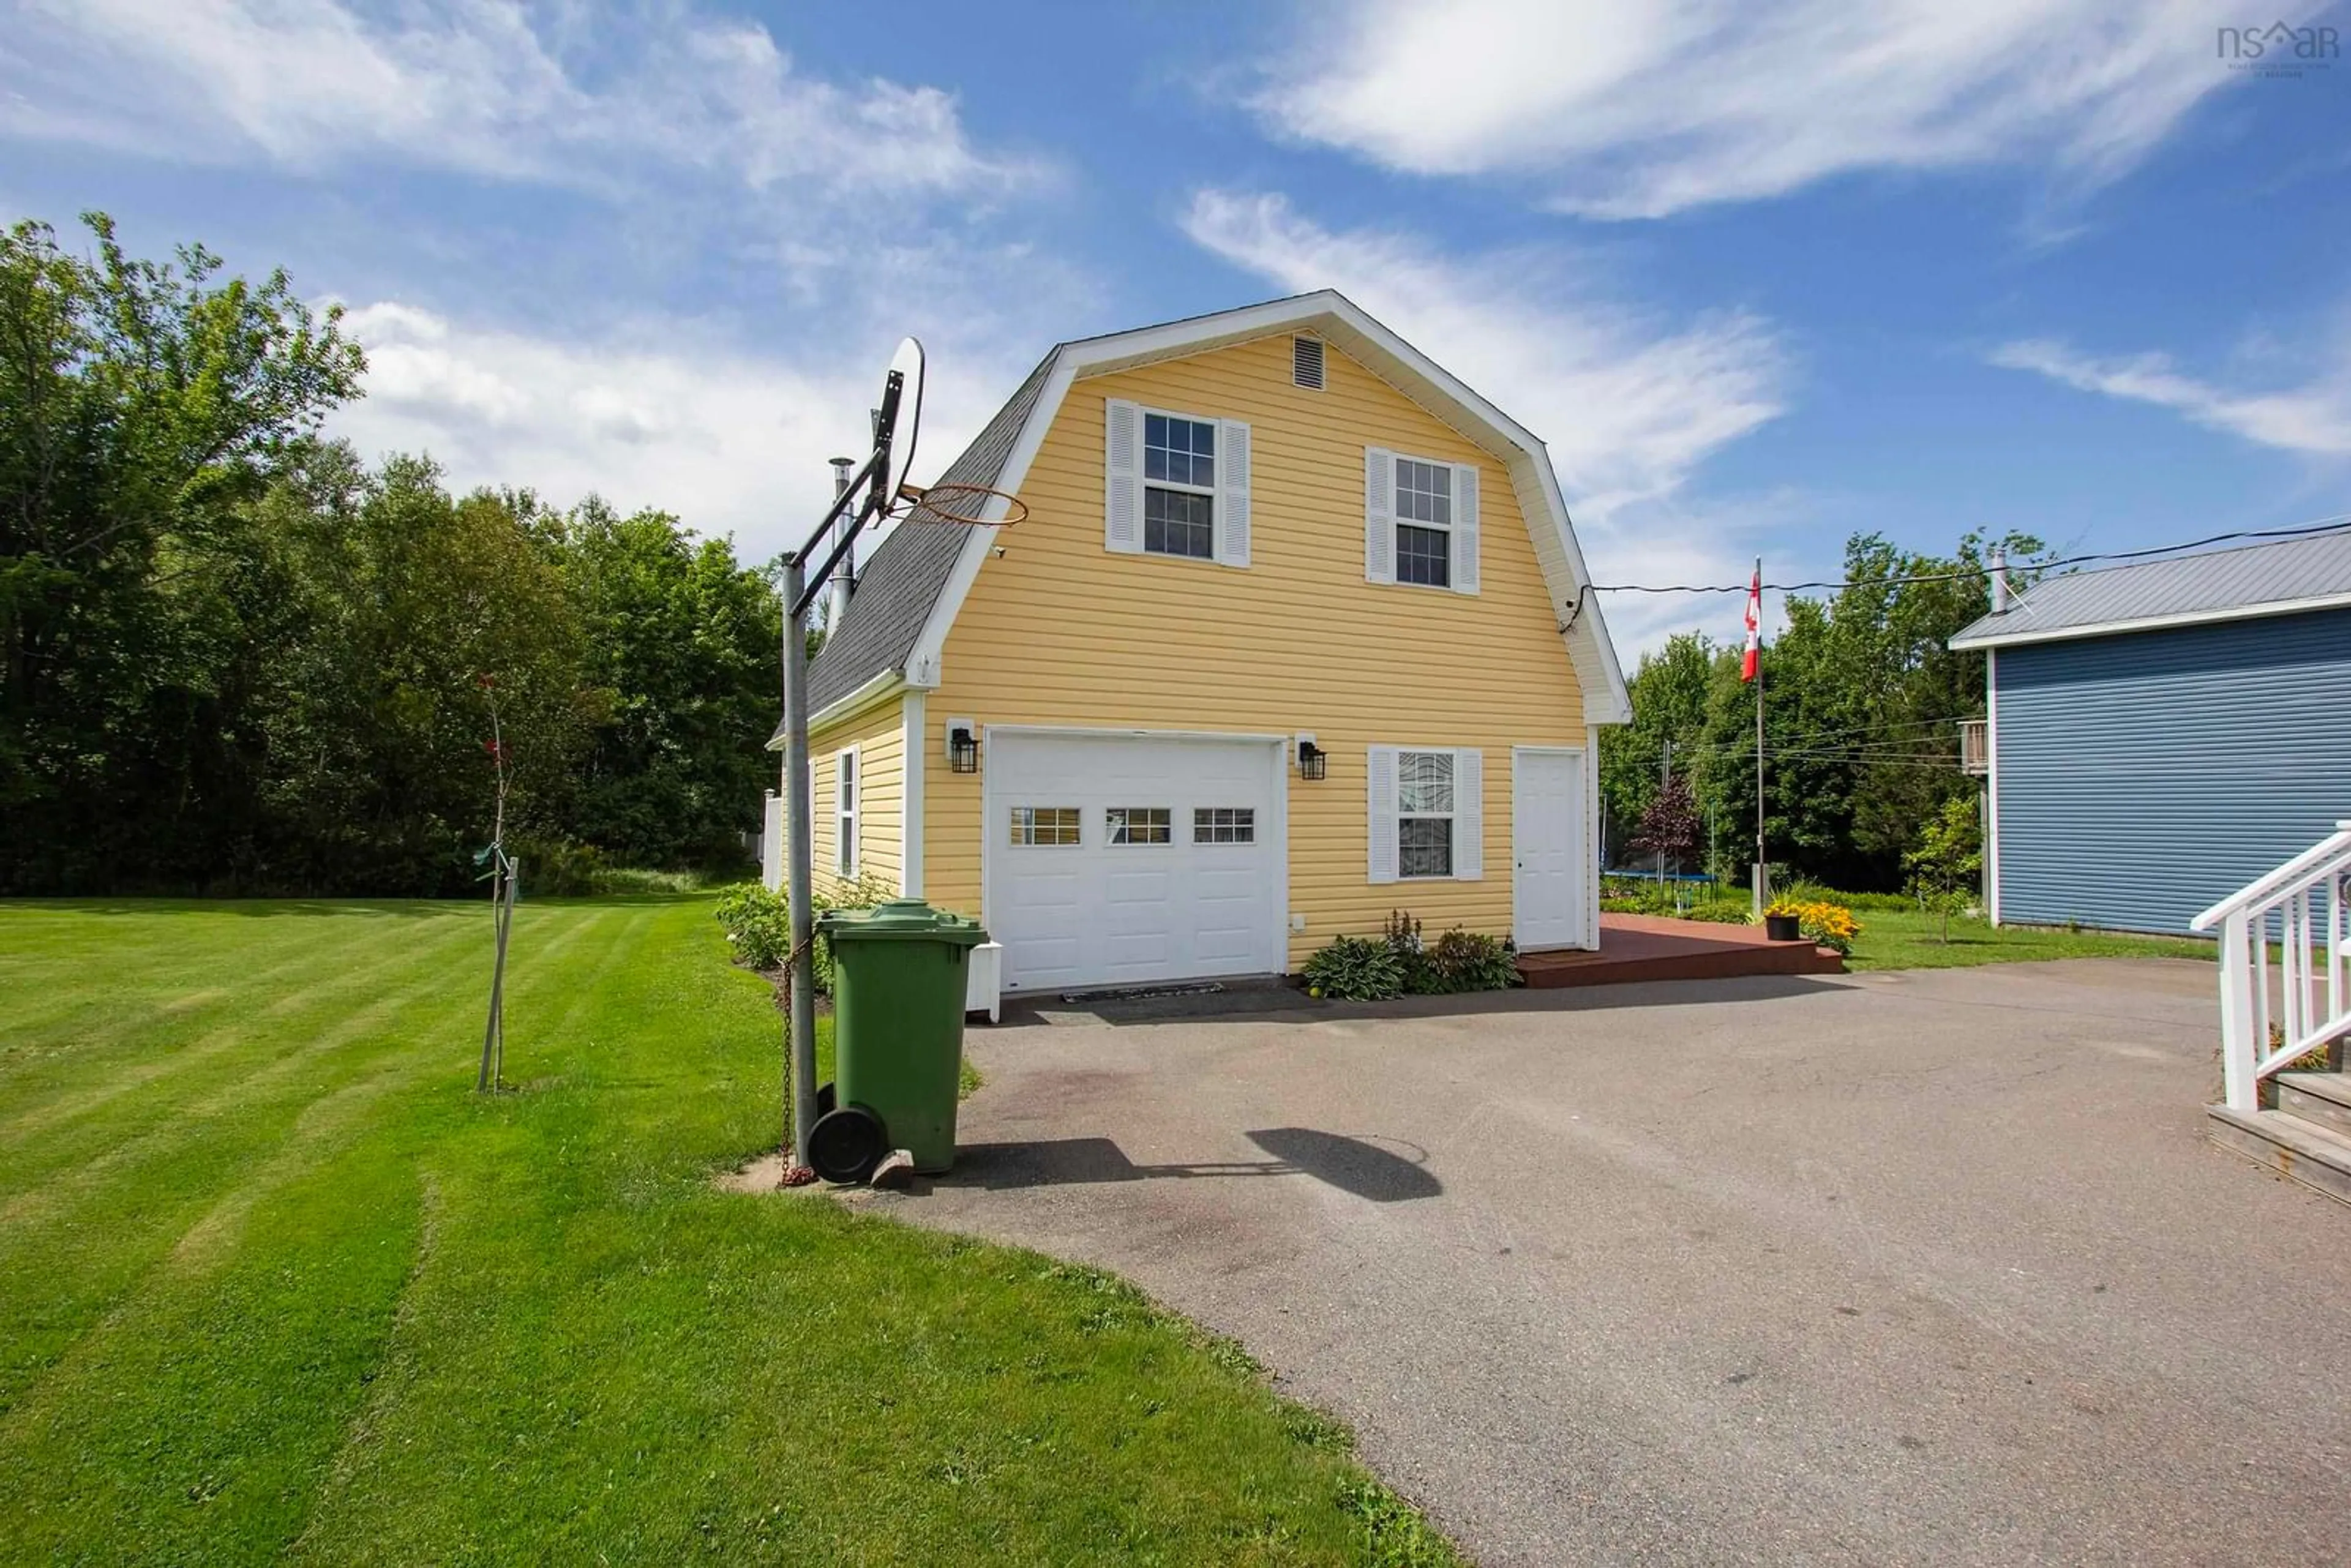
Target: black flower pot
(1783, 927)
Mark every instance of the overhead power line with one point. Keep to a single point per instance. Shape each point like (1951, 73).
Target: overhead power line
(2339, 522)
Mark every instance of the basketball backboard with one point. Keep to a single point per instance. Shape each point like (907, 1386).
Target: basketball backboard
(906, 366)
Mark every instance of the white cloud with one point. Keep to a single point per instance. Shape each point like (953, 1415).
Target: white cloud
(646, 418)
(710, 144)
(1628, 111)
(478, 87)
(678, 415)
(1630, 407)
(2313, 418)
(1627, 404)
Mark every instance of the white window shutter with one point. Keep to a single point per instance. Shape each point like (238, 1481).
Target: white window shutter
(1233, 494)
(1469, 816)
(1122, 466)
(1379, 515)
(1465, 528)
(1381, 767)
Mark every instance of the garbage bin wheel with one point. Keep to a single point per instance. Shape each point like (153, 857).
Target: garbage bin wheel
(846, 1144)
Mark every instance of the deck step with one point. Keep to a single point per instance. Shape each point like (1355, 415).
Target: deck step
(2307, 1153)
(2322, 1098)
(1635, 948)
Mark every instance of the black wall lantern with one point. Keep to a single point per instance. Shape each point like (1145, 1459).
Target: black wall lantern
(1312, 758)
(963, 746)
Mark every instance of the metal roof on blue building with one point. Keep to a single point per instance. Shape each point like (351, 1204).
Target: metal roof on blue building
(2280, 578)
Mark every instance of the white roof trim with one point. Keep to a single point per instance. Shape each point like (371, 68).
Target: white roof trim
(1606, 699)
(2153, 622)
(883, 687)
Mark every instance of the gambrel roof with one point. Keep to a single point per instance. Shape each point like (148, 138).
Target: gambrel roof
(910, 568)
(908, 595)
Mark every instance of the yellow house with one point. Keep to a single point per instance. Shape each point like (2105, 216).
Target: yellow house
(1294, 634)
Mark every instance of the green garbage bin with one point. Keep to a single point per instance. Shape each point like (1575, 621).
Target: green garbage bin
(898, 988)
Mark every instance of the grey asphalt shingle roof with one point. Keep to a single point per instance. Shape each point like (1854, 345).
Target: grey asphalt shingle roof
(2217, 583)
(910, 567)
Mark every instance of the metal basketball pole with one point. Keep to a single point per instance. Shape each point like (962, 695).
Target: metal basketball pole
(800, 843)
(799, 853)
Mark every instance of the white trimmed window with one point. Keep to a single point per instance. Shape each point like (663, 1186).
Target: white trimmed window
(1179, 487)
(1427, 813)
(845, 785)
(1177, 484)
(1424, 814)
(1420, 521)
(1424, 528)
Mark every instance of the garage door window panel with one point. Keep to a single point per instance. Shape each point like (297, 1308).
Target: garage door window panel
(1046, 827)
(1224, 825)
(1139, 824)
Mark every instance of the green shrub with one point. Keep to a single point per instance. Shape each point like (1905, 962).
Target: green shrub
(758, 926)
(1813, 893)
(557, 868)
(1647, 898)
(641, 879)
(759, 923)
(1403, 937)
(1355, 970)
(1457, 961)
(1466, 961)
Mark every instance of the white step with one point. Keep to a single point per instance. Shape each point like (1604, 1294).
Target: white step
(2293, 1148)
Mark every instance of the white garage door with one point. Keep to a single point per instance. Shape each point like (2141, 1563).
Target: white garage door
(1118, 861)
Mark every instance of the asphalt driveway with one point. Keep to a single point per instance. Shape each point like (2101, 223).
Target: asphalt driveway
(1931, 1266)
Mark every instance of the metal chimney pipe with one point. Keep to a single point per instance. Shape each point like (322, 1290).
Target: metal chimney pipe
(844, 576)
(2002, 598)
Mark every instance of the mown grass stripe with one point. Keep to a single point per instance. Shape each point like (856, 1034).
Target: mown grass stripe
(234, 1084)
(162, 1066)
(49, 995)
(264, 1340)
(161, 1172)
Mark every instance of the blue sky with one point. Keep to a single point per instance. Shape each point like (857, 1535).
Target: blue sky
(1760, 275)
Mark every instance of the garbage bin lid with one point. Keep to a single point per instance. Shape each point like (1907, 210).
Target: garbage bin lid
(903, 920)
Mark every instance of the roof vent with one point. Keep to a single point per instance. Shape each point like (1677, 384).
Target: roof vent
(1306, 362)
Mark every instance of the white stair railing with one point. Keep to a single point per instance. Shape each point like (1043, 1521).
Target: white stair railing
(2301, 907)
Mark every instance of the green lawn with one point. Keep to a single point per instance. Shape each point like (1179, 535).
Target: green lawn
(1906, 939)
(275, 1282)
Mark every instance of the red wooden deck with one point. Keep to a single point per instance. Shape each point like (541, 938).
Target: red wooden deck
(1647, 948)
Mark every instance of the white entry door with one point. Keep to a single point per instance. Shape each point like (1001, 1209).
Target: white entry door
(1548, 878)
(1124, 860)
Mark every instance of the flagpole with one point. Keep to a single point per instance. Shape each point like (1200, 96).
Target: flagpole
(1762, 876)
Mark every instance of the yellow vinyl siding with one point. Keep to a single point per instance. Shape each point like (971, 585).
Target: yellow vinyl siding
(1059, 630)
(882, 769)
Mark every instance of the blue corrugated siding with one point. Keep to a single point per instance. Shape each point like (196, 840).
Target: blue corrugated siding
(2144, 777)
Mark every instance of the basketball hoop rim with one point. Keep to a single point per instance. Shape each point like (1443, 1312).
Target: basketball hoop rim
(922, 508)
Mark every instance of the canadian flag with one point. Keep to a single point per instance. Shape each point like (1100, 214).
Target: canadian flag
(1754, 627)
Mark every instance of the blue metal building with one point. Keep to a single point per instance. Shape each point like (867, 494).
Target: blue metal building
(2161, 734)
